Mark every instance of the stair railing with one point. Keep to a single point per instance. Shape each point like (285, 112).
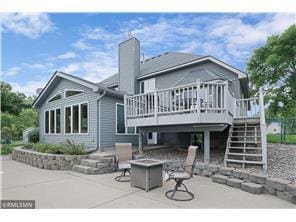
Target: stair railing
(263, 129)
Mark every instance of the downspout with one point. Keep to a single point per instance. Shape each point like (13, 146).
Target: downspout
(99, 120)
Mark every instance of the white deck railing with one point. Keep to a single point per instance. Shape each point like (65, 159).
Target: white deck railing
(181, 99)
(213, 97)
(247, 107)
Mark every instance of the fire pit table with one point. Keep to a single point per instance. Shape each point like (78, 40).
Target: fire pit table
(146, 173)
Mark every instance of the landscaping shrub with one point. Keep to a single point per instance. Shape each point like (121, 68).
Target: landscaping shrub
(48, 148)
(6, 149)
(67, 148)
(70, 148)
(33, 136)
(6, 135)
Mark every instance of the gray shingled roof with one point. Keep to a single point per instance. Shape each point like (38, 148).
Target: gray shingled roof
(157, 63)
(203, 74)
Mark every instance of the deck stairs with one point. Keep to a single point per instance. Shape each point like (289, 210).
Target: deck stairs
(244, 144)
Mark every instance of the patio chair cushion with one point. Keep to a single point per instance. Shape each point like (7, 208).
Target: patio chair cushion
(124, 165)
(180, 175)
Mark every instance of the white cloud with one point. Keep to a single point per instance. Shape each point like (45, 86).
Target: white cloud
(98, 33)
(80, 44)
(67, 55)
(71, 68)
(13, 71)
(240, 37)
(38, 65)
(31, 25)
(29, 88)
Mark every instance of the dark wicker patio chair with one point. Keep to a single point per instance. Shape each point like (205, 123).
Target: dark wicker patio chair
(181, 173)
(123, 153)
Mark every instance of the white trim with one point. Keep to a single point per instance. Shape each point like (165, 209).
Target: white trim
(77, 90)
(238, 72)
(49, 118)
(58, 93)
(125, 133)
(92, 86)
(79, 118)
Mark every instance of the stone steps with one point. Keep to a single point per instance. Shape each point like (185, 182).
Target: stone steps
(96, 164)
(239, 184)
(250, 182)
(84, 169)
(89, 162)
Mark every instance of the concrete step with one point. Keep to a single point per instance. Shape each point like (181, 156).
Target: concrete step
(244, 161)
(253, 142)
(247, 131)
(244, 148)
(219, 179)
(245, 154)
(100, 156)
(235, 126)
(252, 187)
(89, 162)
(85, 169)
(234, 182)
(243, 136)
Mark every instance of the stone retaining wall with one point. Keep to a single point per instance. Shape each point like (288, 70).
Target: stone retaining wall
(253, 183)
(46, 160)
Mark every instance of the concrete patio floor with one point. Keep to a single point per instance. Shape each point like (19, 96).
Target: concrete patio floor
(66, 189)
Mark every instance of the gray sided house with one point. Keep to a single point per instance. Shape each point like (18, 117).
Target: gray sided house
(76, 109)
(170, 99)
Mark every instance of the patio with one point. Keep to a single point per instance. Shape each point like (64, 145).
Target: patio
(66, 189)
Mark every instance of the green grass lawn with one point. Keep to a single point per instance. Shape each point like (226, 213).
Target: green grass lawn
(6, 149)
(290, 139)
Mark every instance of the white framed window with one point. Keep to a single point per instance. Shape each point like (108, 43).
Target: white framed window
(52, 121)
(76, 118)
(147, 85)
(72, 92)
(56, 97)
(121, 129)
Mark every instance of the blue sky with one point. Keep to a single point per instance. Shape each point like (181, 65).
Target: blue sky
(34, 46)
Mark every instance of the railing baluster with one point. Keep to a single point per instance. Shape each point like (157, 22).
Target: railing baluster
(217, 96)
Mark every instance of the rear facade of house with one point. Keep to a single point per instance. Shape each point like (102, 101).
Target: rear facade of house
(173, 99)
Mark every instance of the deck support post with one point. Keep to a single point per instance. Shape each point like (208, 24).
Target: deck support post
(206, 146)
(140, 143)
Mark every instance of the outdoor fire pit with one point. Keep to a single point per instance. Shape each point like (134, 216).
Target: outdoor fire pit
(146, 173)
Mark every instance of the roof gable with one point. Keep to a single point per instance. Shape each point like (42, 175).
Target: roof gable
(55, 78)
(203, 75)
(170, 62)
